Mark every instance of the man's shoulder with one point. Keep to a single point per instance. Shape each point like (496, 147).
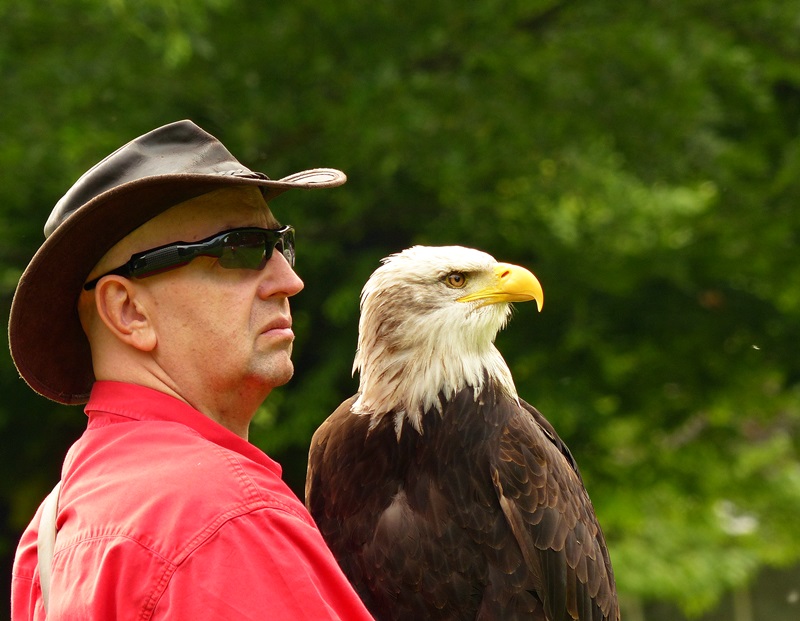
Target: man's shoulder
(162, 484)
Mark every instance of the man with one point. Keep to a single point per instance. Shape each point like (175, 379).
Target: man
(161, 297)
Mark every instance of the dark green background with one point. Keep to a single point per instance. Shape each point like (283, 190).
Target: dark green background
(640, 157)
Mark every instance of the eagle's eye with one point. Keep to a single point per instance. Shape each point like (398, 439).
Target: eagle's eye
(456, 280)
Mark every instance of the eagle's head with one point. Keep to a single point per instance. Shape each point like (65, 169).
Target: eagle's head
(429, 317)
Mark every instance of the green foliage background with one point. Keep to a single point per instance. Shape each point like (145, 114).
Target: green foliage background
(640, 157)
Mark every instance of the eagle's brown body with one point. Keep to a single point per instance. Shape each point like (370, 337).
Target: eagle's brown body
(476, 512)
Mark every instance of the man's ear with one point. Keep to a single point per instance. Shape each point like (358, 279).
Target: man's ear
(121, 306)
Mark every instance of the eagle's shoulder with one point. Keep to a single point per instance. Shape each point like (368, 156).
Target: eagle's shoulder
(343, 468)
(552, 518)
(551, 434)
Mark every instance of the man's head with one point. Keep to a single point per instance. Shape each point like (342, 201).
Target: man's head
(217, 337)
(174, 184)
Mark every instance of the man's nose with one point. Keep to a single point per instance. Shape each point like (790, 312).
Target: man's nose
(278, 278)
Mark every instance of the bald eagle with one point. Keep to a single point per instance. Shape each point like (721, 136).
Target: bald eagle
(442, 494)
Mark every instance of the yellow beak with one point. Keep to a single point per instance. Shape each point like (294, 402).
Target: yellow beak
(512, 283)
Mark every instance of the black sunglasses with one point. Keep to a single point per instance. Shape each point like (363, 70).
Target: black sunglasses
(245, 248)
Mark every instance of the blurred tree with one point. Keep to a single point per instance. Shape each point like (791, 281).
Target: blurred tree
(639, 157)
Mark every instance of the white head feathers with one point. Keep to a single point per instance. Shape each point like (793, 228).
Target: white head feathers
(429, 317)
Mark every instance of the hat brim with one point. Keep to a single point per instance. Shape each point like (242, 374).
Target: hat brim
(47, 343)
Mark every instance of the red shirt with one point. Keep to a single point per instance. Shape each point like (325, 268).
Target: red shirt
(165, 514)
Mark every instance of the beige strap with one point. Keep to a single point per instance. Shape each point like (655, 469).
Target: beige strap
(46, 542)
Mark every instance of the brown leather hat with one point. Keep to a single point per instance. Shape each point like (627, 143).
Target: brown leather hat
(162, 168)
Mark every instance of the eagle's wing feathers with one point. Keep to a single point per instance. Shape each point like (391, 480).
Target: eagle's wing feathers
(549, 512)
(345, 496)
(392, 518)
(394, 515)
(551, 435)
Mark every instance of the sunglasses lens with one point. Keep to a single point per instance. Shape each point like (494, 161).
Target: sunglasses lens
(252, 249)
(286, 246)
(244, 250)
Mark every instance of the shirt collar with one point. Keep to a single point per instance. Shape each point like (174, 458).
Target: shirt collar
(140, 403)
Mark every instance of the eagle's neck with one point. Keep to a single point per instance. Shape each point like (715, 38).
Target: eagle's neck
(406, 376)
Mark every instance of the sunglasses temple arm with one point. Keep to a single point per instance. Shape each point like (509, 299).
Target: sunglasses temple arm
(166, 258)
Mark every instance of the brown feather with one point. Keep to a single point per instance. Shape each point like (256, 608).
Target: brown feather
(482, 516)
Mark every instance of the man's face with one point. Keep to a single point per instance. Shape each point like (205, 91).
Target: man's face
(219, 331)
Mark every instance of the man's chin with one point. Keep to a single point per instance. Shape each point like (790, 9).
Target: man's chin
(275, 375)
